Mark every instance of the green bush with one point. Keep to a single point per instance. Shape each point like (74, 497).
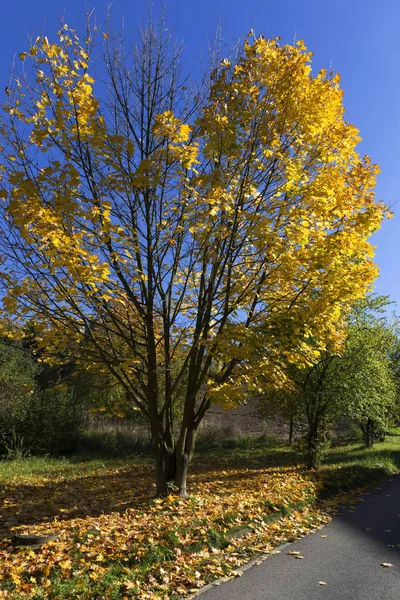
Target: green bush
(34, 419)
(55, 421)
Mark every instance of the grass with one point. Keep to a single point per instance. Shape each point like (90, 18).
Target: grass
(33, 468)
(116, 541)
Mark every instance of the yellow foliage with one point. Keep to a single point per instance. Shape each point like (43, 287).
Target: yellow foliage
(103, 522)
(242, 234)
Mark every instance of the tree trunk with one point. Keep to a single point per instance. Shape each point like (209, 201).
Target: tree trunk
(368, 432)
(313, 443)
(291, 429)
(369, 436)
(172, 464)
(182, 466)
(184, 456)
(381, 435)
(165, 467)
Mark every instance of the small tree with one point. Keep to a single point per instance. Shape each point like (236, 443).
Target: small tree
(359, 383)
(36, 414)
(370, 368)
(318, 394)
(17, 386)
(220, 222)
(281, 403)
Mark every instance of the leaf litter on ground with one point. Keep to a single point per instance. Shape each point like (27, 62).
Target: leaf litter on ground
(108, 524)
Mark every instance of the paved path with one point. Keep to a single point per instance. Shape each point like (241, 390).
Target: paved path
(348, 559)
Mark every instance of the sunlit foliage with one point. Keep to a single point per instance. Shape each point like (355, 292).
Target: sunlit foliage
(179, 236)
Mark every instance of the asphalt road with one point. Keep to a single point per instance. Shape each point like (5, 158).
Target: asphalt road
(348, 559)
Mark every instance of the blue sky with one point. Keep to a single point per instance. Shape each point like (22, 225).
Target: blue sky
(357, 38)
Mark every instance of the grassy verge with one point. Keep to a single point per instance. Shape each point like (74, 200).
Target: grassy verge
(116, 541)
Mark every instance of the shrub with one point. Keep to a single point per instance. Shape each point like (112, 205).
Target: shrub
(32, 418)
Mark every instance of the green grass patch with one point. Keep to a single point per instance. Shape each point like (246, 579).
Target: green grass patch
(46, 468)
(353, 466)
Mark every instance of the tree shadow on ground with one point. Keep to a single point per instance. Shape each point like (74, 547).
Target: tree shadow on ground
(78, 497)
(23, 504)
(333, 482)
(118, 489)
(256, 458)
(374, 515)
(336, 456)
(90, 495)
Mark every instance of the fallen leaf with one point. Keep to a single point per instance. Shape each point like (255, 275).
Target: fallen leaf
(293, 553)
(322, 583)
(96, 523)
(386, 565)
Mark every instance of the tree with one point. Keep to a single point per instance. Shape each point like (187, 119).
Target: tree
(221, 221)
(370, 363)
(359, 383)
(317, 395)
(36, 413)
(17, 386)
(282, 403)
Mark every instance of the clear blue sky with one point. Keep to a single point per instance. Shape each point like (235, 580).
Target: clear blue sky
(360, 39)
